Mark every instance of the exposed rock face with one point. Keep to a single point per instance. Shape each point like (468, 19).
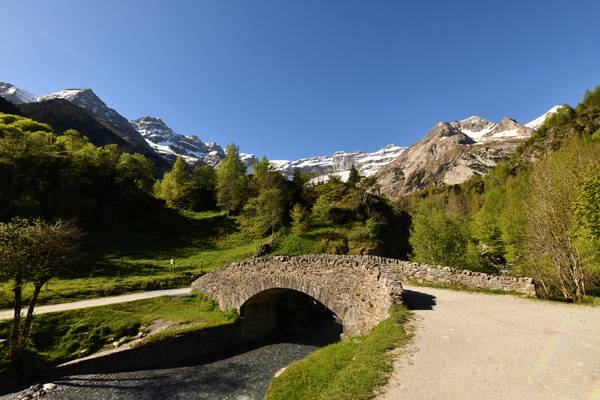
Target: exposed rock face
(340, 163)
(358, 289)
(170, 144)
(14, 94)
(87, 99)
(451, 153)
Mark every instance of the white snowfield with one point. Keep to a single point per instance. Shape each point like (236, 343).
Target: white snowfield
(536, 123)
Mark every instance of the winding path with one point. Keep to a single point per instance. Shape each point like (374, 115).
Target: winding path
(478, 346)
(100, 301)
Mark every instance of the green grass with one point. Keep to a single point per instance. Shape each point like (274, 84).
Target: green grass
(135, 256)
(59, 337)
(348, 370)
(327, 239)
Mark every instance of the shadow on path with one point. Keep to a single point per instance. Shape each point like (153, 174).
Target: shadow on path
(418, 300)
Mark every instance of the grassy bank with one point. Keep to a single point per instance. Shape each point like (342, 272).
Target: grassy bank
(135, 256)
(59, 337)
(349, 370)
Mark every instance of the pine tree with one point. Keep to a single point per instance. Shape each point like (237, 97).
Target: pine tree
(263, 214)
(232, 182)
(299, 216)
(354, 177)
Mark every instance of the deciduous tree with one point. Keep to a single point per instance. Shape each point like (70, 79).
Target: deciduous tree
(32, 252)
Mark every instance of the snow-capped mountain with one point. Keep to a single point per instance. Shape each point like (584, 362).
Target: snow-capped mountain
(536, 123)
(484, 131)
(87, 99)
(340, 163)
(170, 144)
(14, 94)
(452, 152)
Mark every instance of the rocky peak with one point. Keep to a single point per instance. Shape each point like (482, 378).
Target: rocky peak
(451, 153)
(14, 94)
(171, 144)
(88, 100)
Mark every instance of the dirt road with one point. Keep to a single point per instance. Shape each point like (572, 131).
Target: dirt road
(101, 301)
(478, 346)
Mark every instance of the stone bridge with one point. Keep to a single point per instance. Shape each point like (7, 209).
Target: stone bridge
(359, 290)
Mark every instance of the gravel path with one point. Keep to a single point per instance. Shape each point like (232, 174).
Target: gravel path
(478, 346)
(101, 301)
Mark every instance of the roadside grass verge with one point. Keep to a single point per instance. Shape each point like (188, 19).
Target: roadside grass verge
(348, 370)
(135, 256)
(63, 336)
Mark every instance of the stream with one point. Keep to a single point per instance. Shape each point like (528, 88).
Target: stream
(242, 375)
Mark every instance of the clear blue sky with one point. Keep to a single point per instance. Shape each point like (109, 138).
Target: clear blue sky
(293, 78)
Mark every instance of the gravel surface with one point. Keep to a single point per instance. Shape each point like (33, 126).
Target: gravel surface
(479, 346)
(101, 301)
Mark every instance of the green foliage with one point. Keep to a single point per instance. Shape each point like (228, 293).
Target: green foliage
(321, 210)
(232, 182)
(135, 169)
(373, 227)
(266, 177)
(437, 238)
(188, 190)
(134, 255)
(60, 337)
(32, 251)
(549, 247)
(354, 177)
(348, 370)
(587, 221)
(299, 218)
(50, 176)
(263, 214)
(297, 245)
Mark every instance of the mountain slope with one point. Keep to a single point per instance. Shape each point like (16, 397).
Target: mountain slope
(536, 123)
(63, 115)
(452, 152)
(87, 99)
(14, 94)
(8, 107)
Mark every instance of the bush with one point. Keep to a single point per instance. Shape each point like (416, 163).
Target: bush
(296, 245)
(437, 238)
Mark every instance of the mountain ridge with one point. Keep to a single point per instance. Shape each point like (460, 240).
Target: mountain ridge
(453, 151)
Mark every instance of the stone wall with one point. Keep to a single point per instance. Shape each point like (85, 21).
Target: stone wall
(423, 273)
(359, 290)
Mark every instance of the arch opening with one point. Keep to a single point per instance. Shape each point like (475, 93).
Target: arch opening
(291, 315)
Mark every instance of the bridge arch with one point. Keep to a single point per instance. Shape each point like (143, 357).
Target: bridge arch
(359, 290)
